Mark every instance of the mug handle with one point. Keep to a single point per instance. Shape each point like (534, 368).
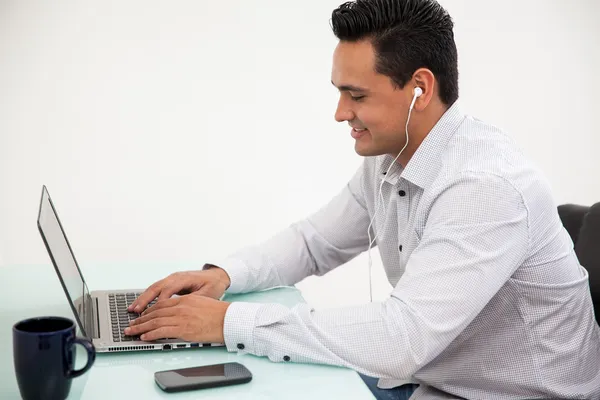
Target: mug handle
(91, 352)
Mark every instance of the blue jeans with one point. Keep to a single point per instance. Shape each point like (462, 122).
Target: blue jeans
(398, 393)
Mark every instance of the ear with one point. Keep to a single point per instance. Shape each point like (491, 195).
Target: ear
(424, 79)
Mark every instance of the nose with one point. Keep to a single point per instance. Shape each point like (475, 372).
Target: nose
(343, 113)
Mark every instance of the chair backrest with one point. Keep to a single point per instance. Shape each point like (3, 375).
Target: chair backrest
(583, 224)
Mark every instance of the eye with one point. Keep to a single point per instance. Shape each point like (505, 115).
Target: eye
(357, 98)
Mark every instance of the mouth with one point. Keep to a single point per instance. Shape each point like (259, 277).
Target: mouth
(357, 133)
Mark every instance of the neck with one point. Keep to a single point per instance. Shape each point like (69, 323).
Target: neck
(421, 123)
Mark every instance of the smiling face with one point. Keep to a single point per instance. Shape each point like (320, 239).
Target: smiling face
(374, 108)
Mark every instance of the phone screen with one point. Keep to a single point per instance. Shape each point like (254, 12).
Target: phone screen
(204, 376)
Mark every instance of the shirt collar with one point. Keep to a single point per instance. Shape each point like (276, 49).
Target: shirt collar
(423, 166)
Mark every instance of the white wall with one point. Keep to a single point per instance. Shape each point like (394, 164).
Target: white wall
(179, 131)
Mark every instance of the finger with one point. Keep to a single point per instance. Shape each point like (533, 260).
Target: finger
(170, 290)
(165, 312)
(136, 302)
(153, 324)
(160, 305)
(149, 294)
(163, 333)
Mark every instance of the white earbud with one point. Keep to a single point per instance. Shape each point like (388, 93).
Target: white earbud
(418, 92)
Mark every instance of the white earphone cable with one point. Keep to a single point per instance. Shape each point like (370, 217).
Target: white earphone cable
(418, 92)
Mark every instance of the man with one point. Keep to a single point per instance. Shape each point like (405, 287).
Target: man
(489, 299)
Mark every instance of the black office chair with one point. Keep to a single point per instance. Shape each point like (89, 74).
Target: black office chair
(583, 225)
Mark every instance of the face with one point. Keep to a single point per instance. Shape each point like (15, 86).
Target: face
(375, 110)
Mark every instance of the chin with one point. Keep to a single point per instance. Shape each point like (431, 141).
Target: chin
(364, 150)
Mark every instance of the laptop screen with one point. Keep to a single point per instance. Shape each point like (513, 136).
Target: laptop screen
(63, 259)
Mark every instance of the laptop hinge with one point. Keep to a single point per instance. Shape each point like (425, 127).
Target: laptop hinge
(92, 321)
(95, 323)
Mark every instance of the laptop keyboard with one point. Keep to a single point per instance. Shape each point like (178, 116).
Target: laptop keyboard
(120, 317)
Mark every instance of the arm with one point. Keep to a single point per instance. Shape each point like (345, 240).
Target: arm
(325, 240)
(330, 237)
(476, 237)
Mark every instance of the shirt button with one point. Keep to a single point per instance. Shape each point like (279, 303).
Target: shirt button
(286, 358)
(402, 193)
(241, 346)
(400, 247)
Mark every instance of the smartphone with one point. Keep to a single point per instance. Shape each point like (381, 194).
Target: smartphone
(207, 376)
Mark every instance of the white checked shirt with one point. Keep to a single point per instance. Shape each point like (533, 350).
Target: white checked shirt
(489, 299)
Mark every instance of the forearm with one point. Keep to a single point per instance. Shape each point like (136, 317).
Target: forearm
(285, 259)
(372, 339)
(325, 240)
(282, 260)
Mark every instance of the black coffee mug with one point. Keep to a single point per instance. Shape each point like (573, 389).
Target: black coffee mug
(44, 357)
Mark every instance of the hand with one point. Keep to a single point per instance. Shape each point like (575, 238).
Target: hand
(211, 282)
(190, 318)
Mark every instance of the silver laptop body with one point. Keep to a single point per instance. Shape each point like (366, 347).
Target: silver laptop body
(101, 315)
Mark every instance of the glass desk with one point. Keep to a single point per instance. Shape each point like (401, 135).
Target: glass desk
(34, 290)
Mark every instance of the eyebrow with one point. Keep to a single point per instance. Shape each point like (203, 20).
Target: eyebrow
(350, 88)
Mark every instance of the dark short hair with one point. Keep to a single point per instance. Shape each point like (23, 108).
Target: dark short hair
(406, 35)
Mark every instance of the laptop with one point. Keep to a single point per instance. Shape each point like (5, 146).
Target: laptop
(102, 316)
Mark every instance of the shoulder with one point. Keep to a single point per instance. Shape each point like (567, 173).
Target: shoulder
(482, 155)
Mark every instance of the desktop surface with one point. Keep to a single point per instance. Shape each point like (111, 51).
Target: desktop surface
(34, 290)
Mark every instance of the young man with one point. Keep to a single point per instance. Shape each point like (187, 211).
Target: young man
(489, 299)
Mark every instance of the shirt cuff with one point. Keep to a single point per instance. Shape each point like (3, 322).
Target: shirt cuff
(238, 326)
(237, 271)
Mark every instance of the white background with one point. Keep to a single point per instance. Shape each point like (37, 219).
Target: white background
(176, 132)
